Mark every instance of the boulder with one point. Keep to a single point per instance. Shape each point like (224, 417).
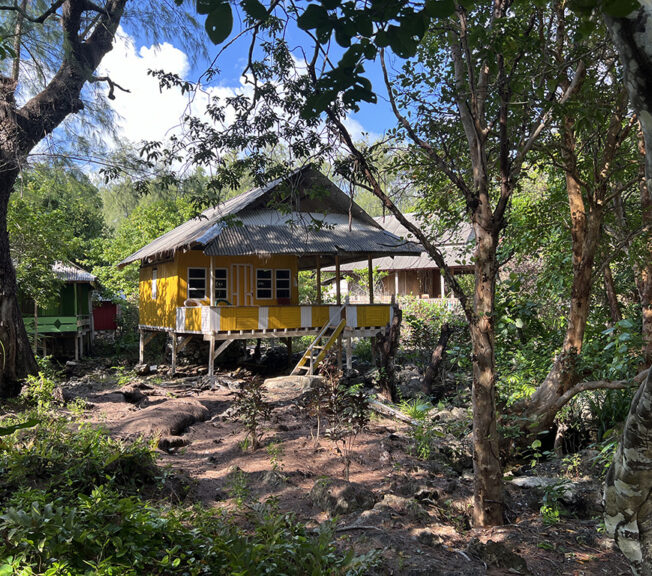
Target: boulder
(341, 497)
(170, 418)
(141, 369)
(290, 387)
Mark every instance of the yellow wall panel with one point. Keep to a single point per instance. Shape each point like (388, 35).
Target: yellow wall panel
(320, 315)
(159, 311)
(280, 317)
(373, 315)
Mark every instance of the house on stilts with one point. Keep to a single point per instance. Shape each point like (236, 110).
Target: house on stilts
(64, 327)
(232, 272)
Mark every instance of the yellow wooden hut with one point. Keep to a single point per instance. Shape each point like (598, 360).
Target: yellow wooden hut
(232, 272)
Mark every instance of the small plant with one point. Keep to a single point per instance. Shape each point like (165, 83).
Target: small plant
(275, 452)
(238, 487)
(423, 437)
(571, 465)
(124, 375)
(348, 413)
(252, 410)
(39, 391)
(317, 400)
(551, 502)
(417, 409)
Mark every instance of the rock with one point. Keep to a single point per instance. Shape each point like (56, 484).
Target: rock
(290, 387)
(581, 497)
(427, 537)
(404, 506)
(133, 394)
(62, 395)
(170, 418)
(171, 443)
(498, 555)
(458, 453)
(141, 369)
(341, 497)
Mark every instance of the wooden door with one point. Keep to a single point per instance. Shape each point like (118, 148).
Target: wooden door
(242, 284)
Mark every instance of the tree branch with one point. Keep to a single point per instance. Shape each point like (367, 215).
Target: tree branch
(600, 385)
(112, 85)
(35, 19)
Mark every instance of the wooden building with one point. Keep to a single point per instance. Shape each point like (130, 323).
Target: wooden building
(65, 327)
(232, 273)
(415, 275)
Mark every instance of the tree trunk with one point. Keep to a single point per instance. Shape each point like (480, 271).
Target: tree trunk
(628, 488)
(610, 293)
(644, 280)
(386, 346)
(435, 366)
(21, 129)
(542, 407)
(15, 349)
(488, 486)
(628, 491)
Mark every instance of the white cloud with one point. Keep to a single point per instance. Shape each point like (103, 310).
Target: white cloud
(148, 112)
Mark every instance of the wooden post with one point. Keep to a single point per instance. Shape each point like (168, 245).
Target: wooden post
(141, 348)
(318, 279)
(338, 291)
(36, 328)
(442, 293)
(211, 282)
(173, 369)
(396, 283)
(349, 354)
(76, 347)
(339, 352)
(90, 318)
(371, 279)
(211, 357)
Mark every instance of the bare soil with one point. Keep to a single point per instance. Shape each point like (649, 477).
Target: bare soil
(427, 534)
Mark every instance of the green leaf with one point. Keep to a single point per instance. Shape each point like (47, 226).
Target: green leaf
(620, 8)
(219, 23)
(519, 323)
(440, 8)
(254, 9)
(7, 430)
(313, 17)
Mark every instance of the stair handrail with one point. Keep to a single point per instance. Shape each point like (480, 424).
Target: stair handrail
(323, 330)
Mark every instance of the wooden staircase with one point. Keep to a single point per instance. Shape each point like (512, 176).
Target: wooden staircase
(316, 352)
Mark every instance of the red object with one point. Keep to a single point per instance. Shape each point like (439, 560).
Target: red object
(105, 316)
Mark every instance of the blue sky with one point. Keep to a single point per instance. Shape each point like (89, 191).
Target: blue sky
(149, 114)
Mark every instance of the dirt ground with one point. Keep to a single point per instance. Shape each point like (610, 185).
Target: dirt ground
(420, 521)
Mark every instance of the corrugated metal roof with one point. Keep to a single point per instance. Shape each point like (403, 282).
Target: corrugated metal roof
(70, 272)
(286, 239)
(273, 230)
(453, 244)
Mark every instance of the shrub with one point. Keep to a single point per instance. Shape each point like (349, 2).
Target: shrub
(71, 505)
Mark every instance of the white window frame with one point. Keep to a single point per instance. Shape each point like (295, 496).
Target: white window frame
(271, 284)
(154, 283)
(226, 287)
(289, 281)
(188, 283)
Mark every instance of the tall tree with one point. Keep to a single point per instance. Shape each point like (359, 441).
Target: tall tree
(65, 41)
(628, 492)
